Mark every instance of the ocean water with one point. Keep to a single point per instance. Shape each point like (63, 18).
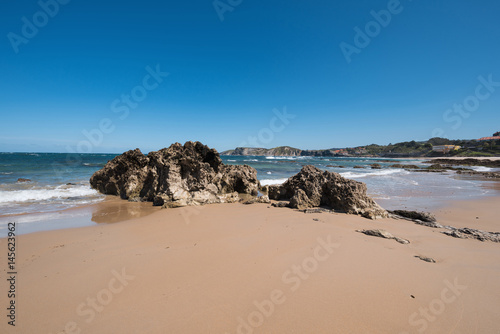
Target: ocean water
(58, 181)
(61, 181)
(392, 188)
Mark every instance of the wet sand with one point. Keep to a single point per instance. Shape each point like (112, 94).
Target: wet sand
(232, 268)
(111, 210)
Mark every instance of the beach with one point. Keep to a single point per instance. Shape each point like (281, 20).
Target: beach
(58, 194)
(234, 268)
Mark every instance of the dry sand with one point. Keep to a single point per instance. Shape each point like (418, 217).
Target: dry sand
(233, 268)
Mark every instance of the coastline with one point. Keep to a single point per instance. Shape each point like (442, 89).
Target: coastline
(110, 210)
(205, 269)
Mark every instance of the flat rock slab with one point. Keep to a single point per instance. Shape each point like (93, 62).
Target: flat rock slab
(383, 234)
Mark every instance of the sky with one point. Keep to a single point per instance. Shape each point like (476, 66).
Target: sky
(107, 76)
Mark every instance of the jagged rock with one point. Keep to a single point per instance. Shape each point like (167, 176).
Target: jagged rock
(436, 166)
(23, 180)
(469, 233)
(360, 167)
(383, 234)
(317, 210)
(425, 258)
(467, 162)
(405, 166)
(488, 175)
(281, 204)
(312, 187)
(429, 224)
(376, 166)
(261, 199)
(415, 215)
(192, 174)
(300, 200)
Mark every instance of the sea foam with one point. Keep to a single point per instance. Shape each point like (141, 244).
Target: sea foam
(44, 194)
(383, 172)
(272, 182)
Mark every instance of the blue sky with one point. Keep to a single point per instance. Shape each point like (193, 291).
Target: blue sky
(225, 77)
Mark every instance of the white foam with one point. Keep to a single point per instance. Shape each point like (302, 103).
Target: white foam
(272, 182)
(482, 169)
(32, 195)
(285, 158)
(383, 172)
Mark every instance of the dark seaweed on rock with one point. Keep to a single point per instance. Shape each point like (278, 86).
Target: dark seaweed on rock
(192, 174)
(312, 187)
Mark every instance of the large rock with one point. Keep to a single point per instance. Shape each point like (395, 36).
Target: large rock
(192, 174)
(312, 187)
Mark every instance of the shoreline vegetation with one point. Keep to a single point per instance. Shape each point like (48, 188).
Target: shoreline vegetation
(411, 149)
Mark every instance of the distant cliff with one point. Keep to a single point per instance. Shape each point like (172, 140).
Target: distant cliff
(284, 151)
(277, 151)
(468, 147)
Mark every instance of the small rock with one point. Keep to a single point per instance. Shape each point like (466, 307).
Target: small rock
(383, 234)
(281, 204)
(425, 258)
(415, 215)
(317, 210)
(23, 180)
(470, 233)
(261, 199)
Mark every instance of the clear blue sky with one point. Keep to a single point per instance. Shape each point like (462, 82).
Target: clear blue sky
(226, 77)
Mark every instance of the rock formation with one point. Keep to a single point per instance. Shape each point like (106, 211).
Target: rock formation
(312, 187)
(470, 233)
(415, 215)
(192, 174)
(383, 234)
(20, 180)
(425, 258)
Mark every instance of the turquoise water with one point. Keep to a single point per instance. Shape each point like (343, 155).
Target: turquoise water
(61, 181)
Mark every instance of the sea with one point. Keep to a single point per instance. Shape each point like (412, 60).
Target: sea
(59, 182)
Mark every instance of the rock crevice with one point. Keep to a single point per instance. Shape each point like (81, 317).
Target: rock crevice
(181, 175)
(312, 187)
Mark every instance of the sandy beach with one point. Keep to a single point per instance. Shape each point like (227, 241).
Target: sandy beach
(234, 268)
